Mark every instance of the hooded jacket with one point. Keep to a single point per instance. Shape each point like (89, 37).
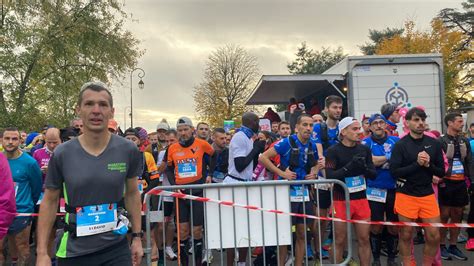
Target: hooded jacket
(7, 197)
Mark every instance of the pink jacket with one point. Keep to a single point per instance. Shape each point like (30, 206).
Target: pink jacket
(7, 197)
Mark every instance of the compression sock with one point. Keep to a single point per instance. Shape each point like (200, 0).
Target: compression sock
(198, 251)
(392, 245)
(184, 246)
(375, 244)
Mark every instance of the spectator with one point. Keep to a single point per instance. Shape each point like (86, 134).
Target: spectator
(272, 115)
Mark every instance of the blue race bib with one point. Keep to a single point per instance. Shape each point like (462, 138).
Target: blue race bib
(355, 183)
(186, 170)
(299, 193)
(96, 219)
(377, 194)
(458, 168)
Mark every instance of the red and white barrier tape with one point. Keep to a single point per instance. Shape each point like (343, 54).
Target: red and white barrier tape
(300, 215)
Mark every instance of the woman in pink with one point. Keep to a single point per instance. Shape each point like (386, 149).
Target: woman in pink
(7, 197)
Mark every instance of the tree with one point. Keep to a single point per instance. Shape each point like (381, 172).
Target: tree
(50, 48)
(457, 61)
(314, 62)
(376, 37)
(229, 77)
(462, 21)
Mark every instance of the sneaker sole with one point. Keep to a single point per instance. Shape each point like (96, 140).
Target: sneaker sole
(446, 258)
(458, 258)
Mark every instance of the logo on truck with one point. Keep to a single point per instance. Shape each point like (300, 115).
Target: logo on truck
(397, 95)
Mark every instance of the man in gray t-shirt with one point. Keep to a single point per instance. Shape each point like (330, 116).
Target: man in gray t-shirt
(95, 172)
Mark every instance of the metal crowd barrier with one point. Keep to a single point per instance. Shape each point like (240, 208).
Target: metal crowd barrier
(276, 190)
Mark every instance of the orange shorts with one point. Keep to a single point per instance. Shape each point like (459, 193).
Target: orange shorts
(416, 207)
(358, 209)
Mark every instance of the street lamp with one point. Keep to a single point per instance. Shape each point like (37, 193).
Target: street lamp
(125, 117)
(141, 85)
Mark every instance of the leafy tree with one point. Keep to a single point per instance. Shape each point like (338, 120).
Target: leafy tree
(376, 37)
(229, 78)
(50, 48)
(462, 21)
(457, 61)
(314, 62)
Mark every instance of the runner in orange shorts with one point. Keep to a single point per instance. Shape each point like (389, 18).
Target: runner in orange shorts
(415, 159)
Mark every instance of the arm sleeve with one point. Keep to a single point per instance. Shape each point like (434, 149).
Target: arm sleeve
(35, 181)
(331, 163)
(54, 178)
(135, 164)
(170, 174)
(396, 168)
(213, 163)
(241, 160)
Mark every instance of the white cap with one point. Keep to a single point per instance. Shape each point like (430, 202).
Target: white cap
(163, 125)
(184, 121)
(347, 121)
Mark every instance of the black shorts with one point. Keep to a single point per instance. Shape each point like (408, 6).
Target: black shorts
(453, 194)
(297, 207)
(197, 208)
(324, 199)
(384, 211)
(19, 224)
(167, 208)
(118, 254)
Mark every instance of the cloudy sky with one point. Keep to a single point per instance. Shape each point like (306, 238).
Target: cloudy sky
(178, 36)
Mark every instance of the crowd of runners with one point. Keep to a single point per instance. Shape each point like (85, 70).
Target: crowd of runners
(394, 167)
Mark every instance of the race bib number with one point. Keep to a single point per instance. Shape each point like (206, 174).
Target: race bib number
(96, 219)
(299, 194)
(326, 186)
(186, 170)
(377, 194)
(355, 184)
(458, 168)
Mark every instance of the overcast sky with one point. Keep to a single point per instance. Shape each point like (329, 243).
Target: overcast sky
(178, 36)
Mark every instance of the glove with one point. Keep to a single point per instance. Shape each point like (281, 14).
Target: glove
(259, 146)
(357, 164)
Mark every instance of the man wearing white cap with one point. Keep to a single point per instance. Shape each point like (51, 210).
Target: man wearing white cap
(351, 162)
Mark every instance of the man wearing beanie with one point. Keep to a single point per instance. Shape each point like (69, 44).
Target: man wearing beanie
(381, 190)
(392, 117)
(351, 162)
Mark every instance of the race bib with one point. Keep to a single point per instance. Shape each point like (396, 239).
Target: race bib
(326, 186)
(187, 170)
(355, 184)
(96, 219)
(218, 175)
(458, 168)
(377, 194)
(299, 194)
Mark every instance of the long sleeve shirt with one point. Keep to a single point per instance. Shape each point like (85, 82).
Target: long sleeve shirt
(414, 179)
(7, 197)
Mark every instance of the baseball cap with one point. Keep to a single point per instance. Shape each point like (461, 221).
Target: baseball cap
(112, 124)
(374, 117)
(347, 121)
(184, 121)
(131, 131)
(163, 125)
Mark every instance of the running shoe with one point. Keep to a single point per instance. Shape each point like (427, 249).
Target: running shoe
(309, 252)
(444, 253)
(456, 253)
(327, 244)
(207, 257)
(353, 262)
(170, 254)
(470, 244)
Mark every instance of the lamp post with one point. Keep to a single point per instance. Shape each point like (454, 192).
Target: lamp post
(125, 117)
(141, 85)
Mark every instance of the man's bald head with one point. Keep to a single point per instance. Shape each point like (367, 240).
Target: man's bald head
(251, 120)
(52, 138)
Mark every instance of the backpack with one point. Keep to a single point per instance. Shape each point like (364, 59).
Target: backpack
(325, 136)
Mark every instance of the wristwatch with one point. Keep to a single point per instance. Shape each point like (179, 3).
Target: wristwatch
(139, 234)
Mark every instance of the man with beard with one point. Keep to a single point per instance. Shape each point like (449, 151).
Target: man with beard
(221, 154)
(415, 159)
(27, 183)
(186, 166)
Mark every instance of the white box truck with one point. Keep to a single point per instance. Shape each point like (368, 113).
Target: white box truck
(366, 83)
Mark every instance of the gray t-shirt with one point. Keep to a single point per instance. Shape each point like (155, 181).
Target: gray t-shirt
(91, 180)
